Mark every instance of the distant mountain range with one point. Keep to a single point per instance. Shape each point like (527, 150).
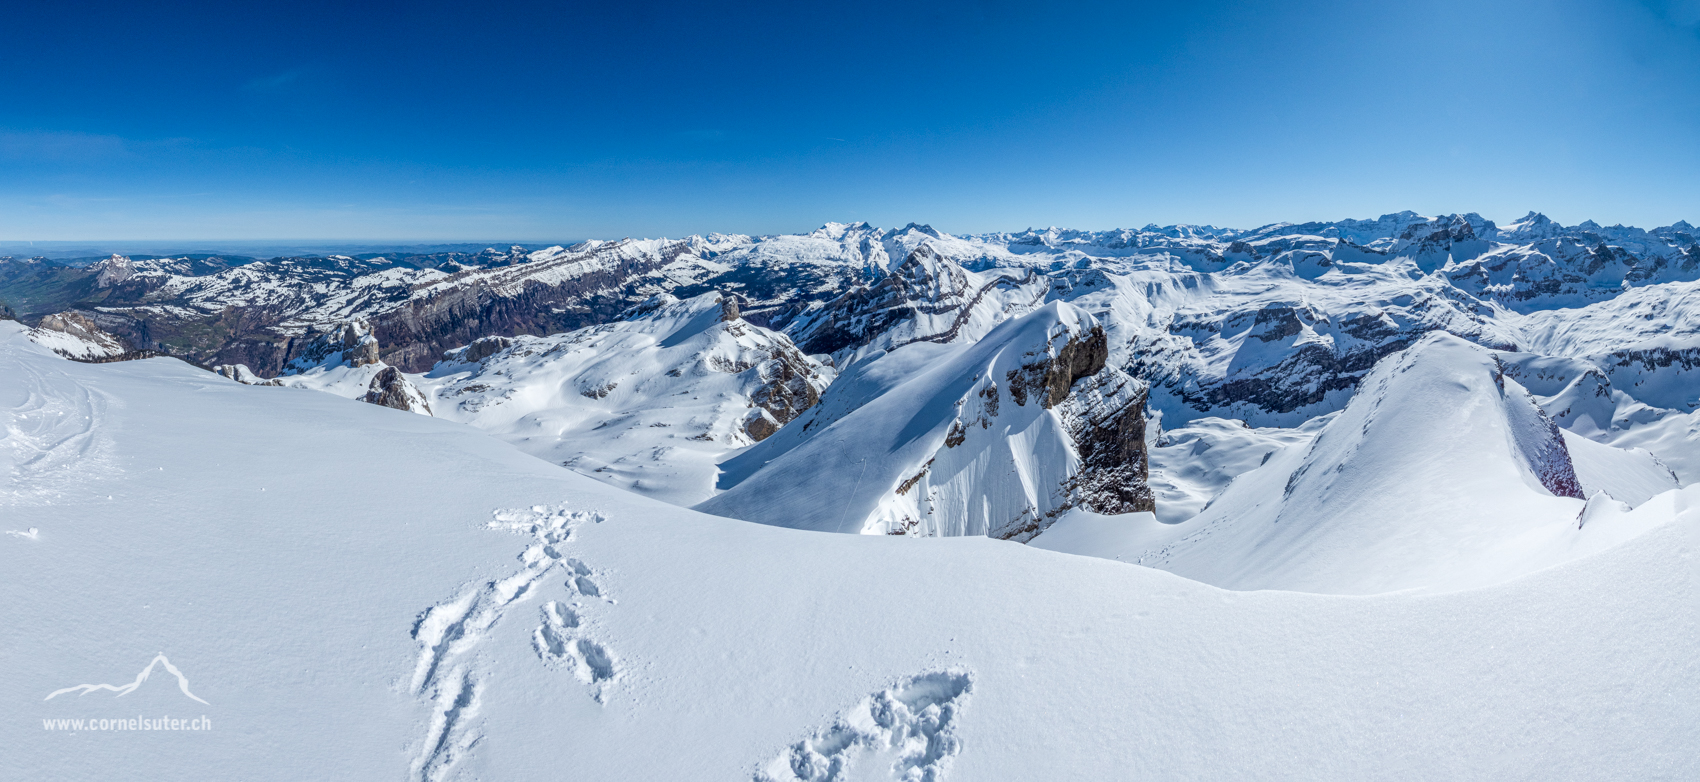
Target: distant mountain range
(1272, 326)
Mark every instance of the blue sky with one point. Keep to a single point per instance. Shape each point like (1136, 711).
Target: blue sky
(438, 121)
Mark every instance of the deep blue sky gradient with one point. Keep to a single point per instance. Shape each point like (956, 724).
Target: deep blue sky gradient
(437, 121)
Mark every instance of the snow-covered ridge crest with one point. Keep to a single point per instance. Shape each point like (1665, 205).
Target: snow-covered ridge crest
(1442, 473)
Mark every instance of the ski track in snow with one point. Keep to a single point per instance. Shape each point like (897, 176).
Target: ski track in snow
(448, 633)
(914, 719)
(53, 439)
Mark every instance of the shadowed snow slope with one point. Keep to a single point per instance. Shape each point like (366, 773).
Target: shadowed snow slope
(415, 599)
(1193, 464)
(1442, 473)
(1630, 476)
(983, 439)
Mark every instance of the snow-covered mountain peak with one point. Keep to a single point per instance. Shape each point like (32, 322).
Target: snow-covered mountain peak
(112, 271)
(924, 439)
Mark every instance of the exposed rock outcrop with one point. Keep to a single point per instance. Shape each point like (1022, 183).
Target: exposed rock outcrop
(359, 346)
(760, 424)
(352, 343)
(1539, 439)
(1105, 415)
(390, 389)
(77, 336)
(485, 347)
(1103, 410)
(791, 383)
(1049, 377)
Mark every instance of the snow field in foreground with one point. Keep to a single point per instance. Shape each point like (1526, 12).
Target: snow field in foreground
(291, 553)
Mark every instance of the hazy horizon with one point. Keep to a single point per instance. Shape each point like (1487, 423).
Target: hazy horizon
(78, 248)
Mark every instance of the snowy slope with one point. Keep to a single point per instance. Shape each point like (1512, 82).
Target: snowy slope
(75, 336)
(1441, 474)
(339, 550)
(649, 403)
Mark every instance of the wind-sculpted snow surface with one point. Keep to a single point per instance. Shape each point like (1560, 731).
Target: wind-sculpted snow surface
(51, 432)
(1190, 466)
(286, 547)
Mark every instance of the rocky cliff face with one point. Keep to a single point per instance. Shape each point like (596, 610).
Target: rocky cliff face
(1105, 415)
(926, 299)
